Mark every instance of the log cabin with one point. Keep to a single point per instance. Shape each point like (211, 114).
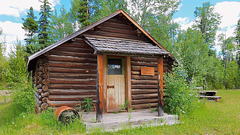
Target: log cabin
(111, 61)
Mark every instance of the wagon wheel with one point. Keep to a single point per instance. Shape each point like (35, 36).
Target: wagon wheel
(66, 114)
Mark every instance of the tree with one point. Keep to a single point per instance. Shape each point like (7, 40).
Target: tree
(82, 11)
(237, 36)
(61, 25)
(156, 17)
(30, 26)
(44, 24)
(191, 51)
(207, 22)
(106, 7)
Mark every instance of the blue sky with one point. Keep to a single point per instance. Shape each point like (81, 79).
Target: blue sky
(12, 12)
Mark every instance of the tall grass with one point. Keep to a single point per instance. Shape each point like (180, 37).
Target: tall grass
(210, 118)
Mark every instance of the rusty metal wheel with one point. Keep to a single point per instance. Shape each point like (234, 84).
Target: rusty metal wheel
(66, 114)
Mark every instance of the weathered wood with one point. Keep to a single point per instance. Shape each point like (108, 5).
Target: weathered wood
(44, 106)
(45, 94)
(72, 86)
(73, 81)
(72, 49)
(73, 65)
(72, 59)
(144, 106)
(144, 91)
(144, 86)
(72, 70)
(45, 76)
(72, 92)
(144, 96)
(154, 100)
(46, 81)
(45, 70)
(64, 53)
(99, 88)
(144, 82)
(38, 102)
(39, 86)
(45, 87)
(137, 77)
(104, 83)
(70, 97)
(160, 86)
(128, 82)
(77, 45)
(39, 91)
(38, 96)
(73, 76)
(44, 100)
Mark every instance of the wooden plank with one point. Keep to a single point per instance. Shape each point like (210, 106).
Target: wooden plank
(104, 83)
(73, 75)
(72, 81)
(128, 82)
(99, 88)
(61, 53)
(73, 49)
(72, 86)
(70, 97)
(72, 65)
(72, 59)
(147, 71)
(160, 86)
(72, 70)
(72, 92)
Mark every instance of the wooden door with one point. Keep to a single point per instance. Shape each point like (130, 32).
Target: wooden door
(115, 84)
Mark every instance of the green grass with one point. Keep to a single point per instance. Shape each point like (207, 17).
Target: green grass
(210, 118)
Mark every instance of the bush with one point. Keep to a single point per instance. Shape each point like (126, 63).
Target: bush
(181, 96)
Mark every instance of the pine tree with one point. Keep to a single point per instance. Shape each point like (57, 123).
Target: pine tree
(44, 24)
(30, 26)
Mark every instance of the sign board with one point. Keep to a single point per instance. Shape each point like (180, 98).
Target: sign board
(147, 71)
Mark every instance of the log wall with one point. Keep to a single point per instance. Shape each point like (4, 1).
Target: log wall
(144, 88)
(72, 74)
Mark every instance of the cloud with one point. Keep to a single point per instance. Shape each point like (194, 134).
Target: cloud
(17, 7)
(184, 22)
(229, 11)
(11, 32)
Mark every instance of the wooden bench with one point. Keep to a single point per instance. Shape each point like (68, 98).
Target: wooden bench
(210, 95)
(216, 98)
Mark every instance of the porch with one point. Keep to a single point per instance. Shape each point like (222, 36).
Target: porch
(114, 122)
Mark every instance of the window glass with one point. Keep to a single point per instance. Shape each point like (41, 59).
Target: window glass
(114, 66)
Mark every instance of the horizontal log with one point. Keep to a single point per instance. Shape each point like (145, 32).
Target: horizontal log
(45, 94)
(72, 92)
(117, 25)
(74, 50)
(44, 106)
(144, 82)
(81, 55)
(144, 86)
(138, 72)
(145, 101)
(73, 65)
(72, 81)
(76, 45)
(70, 97)
(144, 106)
(138, 68)
(72, 70)
(140, 77)
(144, 96)
(144, 91)
(72, 75)
(72, 86)
(72, 59)
(117, 30)
(152, 64)
(67, 103)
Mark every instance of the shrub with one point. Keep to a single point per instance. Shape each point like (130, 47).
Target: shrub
(181, 96)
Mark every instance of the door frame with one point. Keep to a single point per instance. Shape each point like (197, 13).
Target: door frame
(127, 76)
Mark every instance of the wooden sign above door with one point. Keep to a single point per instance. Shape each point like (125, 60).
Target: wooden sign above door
(147, 71)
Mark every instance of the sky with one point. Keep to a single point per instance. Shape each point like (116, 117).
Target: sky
(12, 12)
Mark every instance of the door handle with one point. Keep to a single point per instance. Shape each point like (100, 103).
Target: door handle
(110, 86)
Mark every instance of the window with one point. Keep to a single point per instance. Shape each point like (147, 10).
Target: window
(114, 66)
